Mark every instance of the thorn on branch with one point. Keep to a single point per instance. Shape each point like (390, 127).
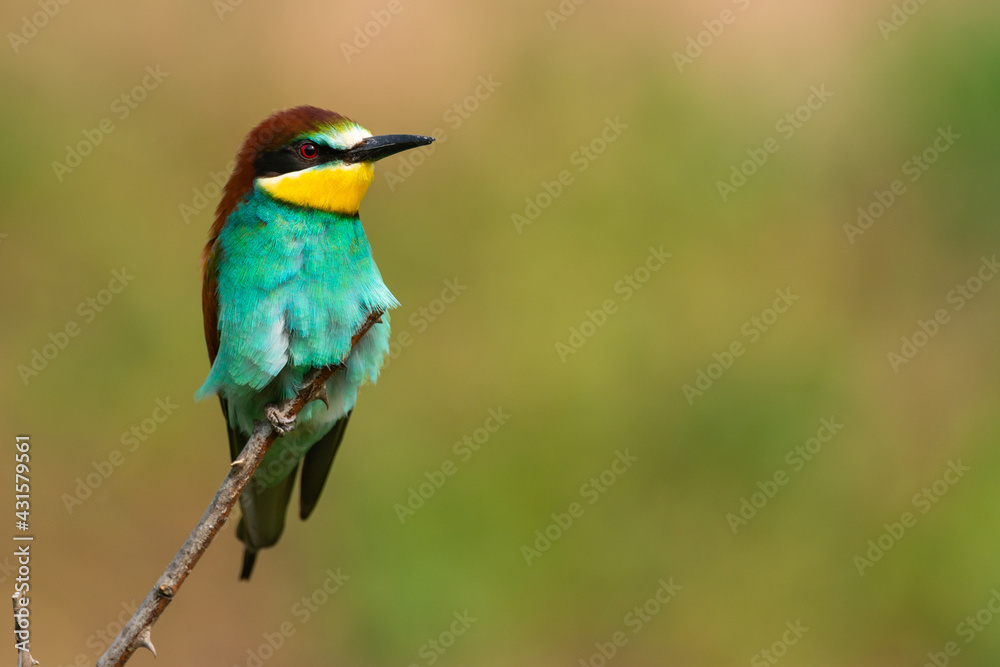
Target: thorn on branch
(144, 641)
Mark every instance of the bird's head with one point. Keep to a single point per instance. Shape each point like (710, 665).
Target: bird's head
(312, 158)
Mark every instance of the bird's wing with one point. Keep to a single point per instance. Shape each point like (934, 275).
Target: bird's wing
(210, 299)
(263, 509)
(210, 317)
(316, 466)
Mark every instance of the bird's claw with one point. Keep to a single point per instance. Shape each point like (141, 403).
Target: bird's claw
(280, 421)
(279, 414)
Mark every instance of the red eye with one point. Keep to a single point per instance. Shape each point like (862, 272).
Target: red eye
(308, 150)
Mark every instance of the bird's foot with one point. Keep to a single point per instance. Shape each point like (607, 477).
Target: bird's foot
(279, 418)
(282, 415)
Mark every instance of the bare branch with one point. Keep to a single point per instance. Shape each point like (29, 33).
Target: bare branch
(24, 658)
(136, 632)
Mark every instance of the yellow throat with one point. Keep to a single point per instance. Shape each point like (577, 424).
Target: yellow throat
(337, 188)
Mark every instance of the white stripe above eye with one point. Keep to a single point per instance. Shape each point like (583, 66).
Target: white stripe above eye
(343, 137)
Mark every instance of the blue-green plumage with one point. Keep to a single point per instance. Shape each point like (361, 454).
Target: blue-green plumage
(289, 282)
(294, 286)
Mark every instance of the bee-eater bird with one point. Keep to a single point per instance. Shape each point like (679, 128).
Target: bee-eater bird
(288, 286)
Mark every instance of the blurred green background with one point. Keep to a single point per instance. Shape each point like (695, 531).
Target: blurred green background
(555, 84)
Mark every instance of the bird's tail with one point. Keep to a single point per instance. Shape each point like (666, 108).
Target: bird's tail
(263, 519)
(264, 508)
(249, 558)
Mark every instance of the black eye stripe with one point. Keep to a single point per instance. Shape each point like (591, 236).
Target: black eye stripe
(289, 158)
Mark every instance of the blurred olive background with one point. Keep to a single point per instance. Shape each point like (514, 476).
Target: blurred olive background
(449, 218)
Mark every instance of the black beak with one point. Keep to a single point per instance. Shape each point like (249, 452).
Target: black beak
(376, 148)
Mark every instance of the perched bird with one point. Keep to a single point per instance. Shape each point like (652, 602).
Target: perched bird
(288, 286)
